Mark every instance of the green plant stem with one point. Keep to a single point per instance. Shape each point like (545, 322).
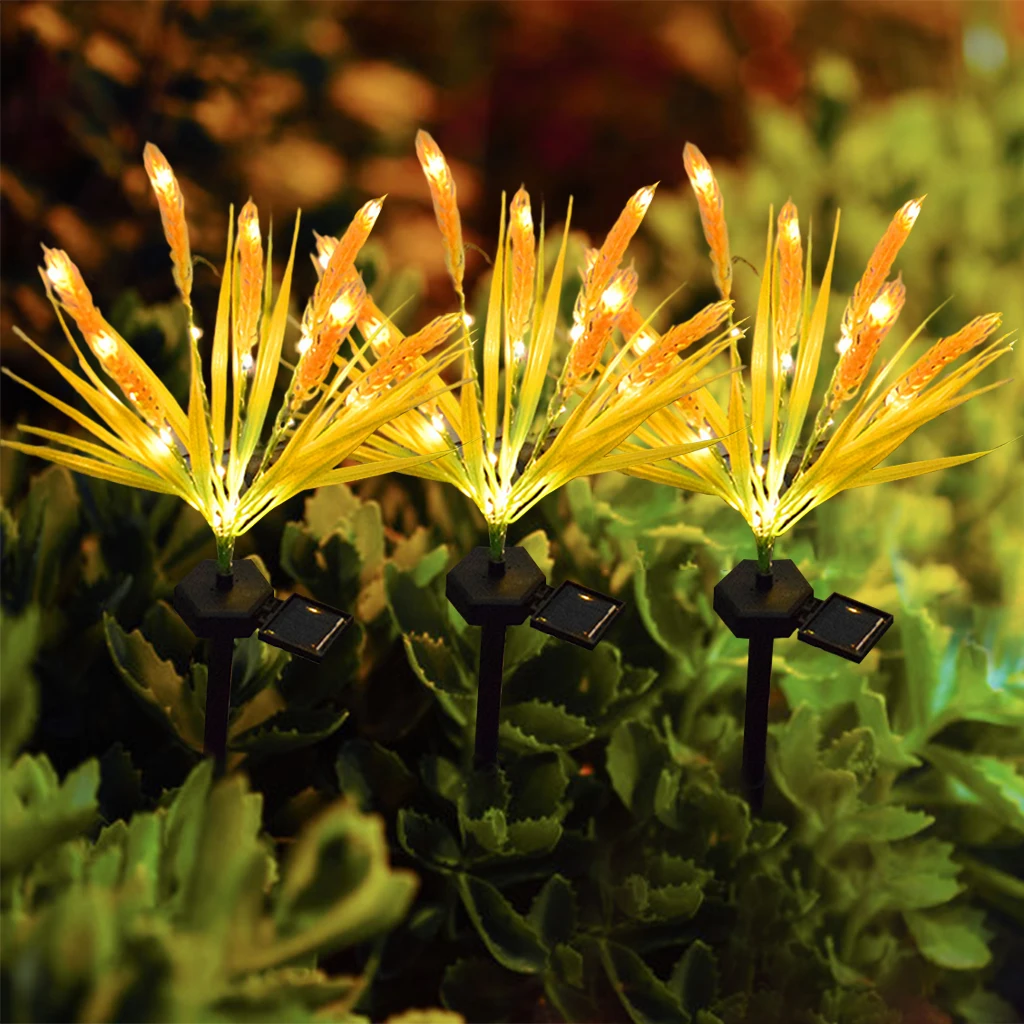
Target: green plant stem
(225, 552)
(496, 537)
(765, 545)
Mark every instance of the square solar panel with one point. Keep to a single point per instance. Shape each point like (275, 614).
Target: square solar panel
(845, 627)
(304, 627)
(577, 614)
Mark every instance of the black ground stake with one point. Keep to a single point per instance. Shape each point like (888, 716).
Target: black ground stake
(496, 595)
(762, 607)
(223, 607)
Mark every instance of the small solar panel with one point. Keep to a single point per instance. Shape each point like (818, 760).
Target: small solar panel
(845, 627)
(577, 614)
(304, 627)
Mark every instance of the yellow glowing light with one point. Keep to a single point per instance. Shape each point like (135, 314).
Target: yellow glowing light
(59, 273)
(302, 346)
(787, 362)
(613, 297)
(518, 351)
(467, 320)
(246, 362)
(371, 211)
(341, 309)
(845, 341)
(703, 178)
(525, 218)
(166, 436)
(576, 332)
(436, 166)
(221, 471)
(289, 424)
(642, 343)
(492, 457)
(163, 179)
(735, 333)
(760, 470)
(437, 422)
(104, 345)
(881, 309)
(643, 199)
(252, 229)
(910, 212)
(132, 396)
(196, 332)
(704, 434)
(793, 230)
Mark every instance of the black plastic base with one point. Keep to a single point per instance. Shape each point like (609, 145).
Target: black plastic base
(483, 596)
(749, 607)
(215, 613)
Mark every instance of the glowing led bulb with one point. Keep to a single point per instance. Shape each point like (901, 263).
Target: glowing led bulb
(643, 199)
(163, 178)
(760, 470)
(703, 178)
(525, 218)
(845, 341)
(247, 362)
(436, 166)
(518, 350)
(221, 471)
(910, 212)
(704, 434)
(467, 320)
(166, 436)
(787, 362)
(196, 332)
(302, 346)
(642, 343)
(880, 310)
(437, 422)
(59, 273)
(341, 310)
(576, 332)
(793, 230)
(492, 457)
(104, 345)
(613, 297)
(252, 229)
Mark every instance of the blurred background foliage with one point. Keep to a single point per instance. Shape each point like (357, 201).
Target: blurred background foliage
(610, 873)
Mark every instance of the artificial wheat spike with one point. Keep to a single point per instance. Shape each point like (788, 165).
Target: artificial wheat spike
(375, 327)
(603, 264)
(172, 214)
(588, 345)
(396, 364)
(856, 359)
(338, 271)
(250, 291)
(318, 349)
(63, 276)
(446, 210)
(789, 249)
(879, 265)
(660, 356)
(325, 246)
(524, 267)
(712, 215)
(943, 352)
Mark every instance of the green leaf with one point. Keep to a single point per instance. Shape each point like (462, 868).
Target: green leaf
(291, 729)
(954, 938)
(427, 839)
(694, 980)
(373, 775)
(509, 936)
(19, 641)
(995, 783)
(644, 997)
(156, 682)
(634, 759)
(535, 726)
(38, 811)
(553, 911)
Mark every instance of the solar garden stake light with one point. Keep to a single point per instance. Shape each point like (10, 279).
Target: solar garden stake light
(762, 607)
(772, 471)
(497, 593)
(222, 607)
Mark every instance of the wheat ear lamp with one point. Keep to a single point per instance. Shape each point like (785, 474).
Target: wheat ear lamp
(497, 593)
(762, 607)
(224, 607)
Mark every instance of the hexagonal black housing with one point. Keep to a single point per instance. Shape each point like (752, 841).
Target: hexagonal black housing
(483, 598)
(211, 612)
(749, 610)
